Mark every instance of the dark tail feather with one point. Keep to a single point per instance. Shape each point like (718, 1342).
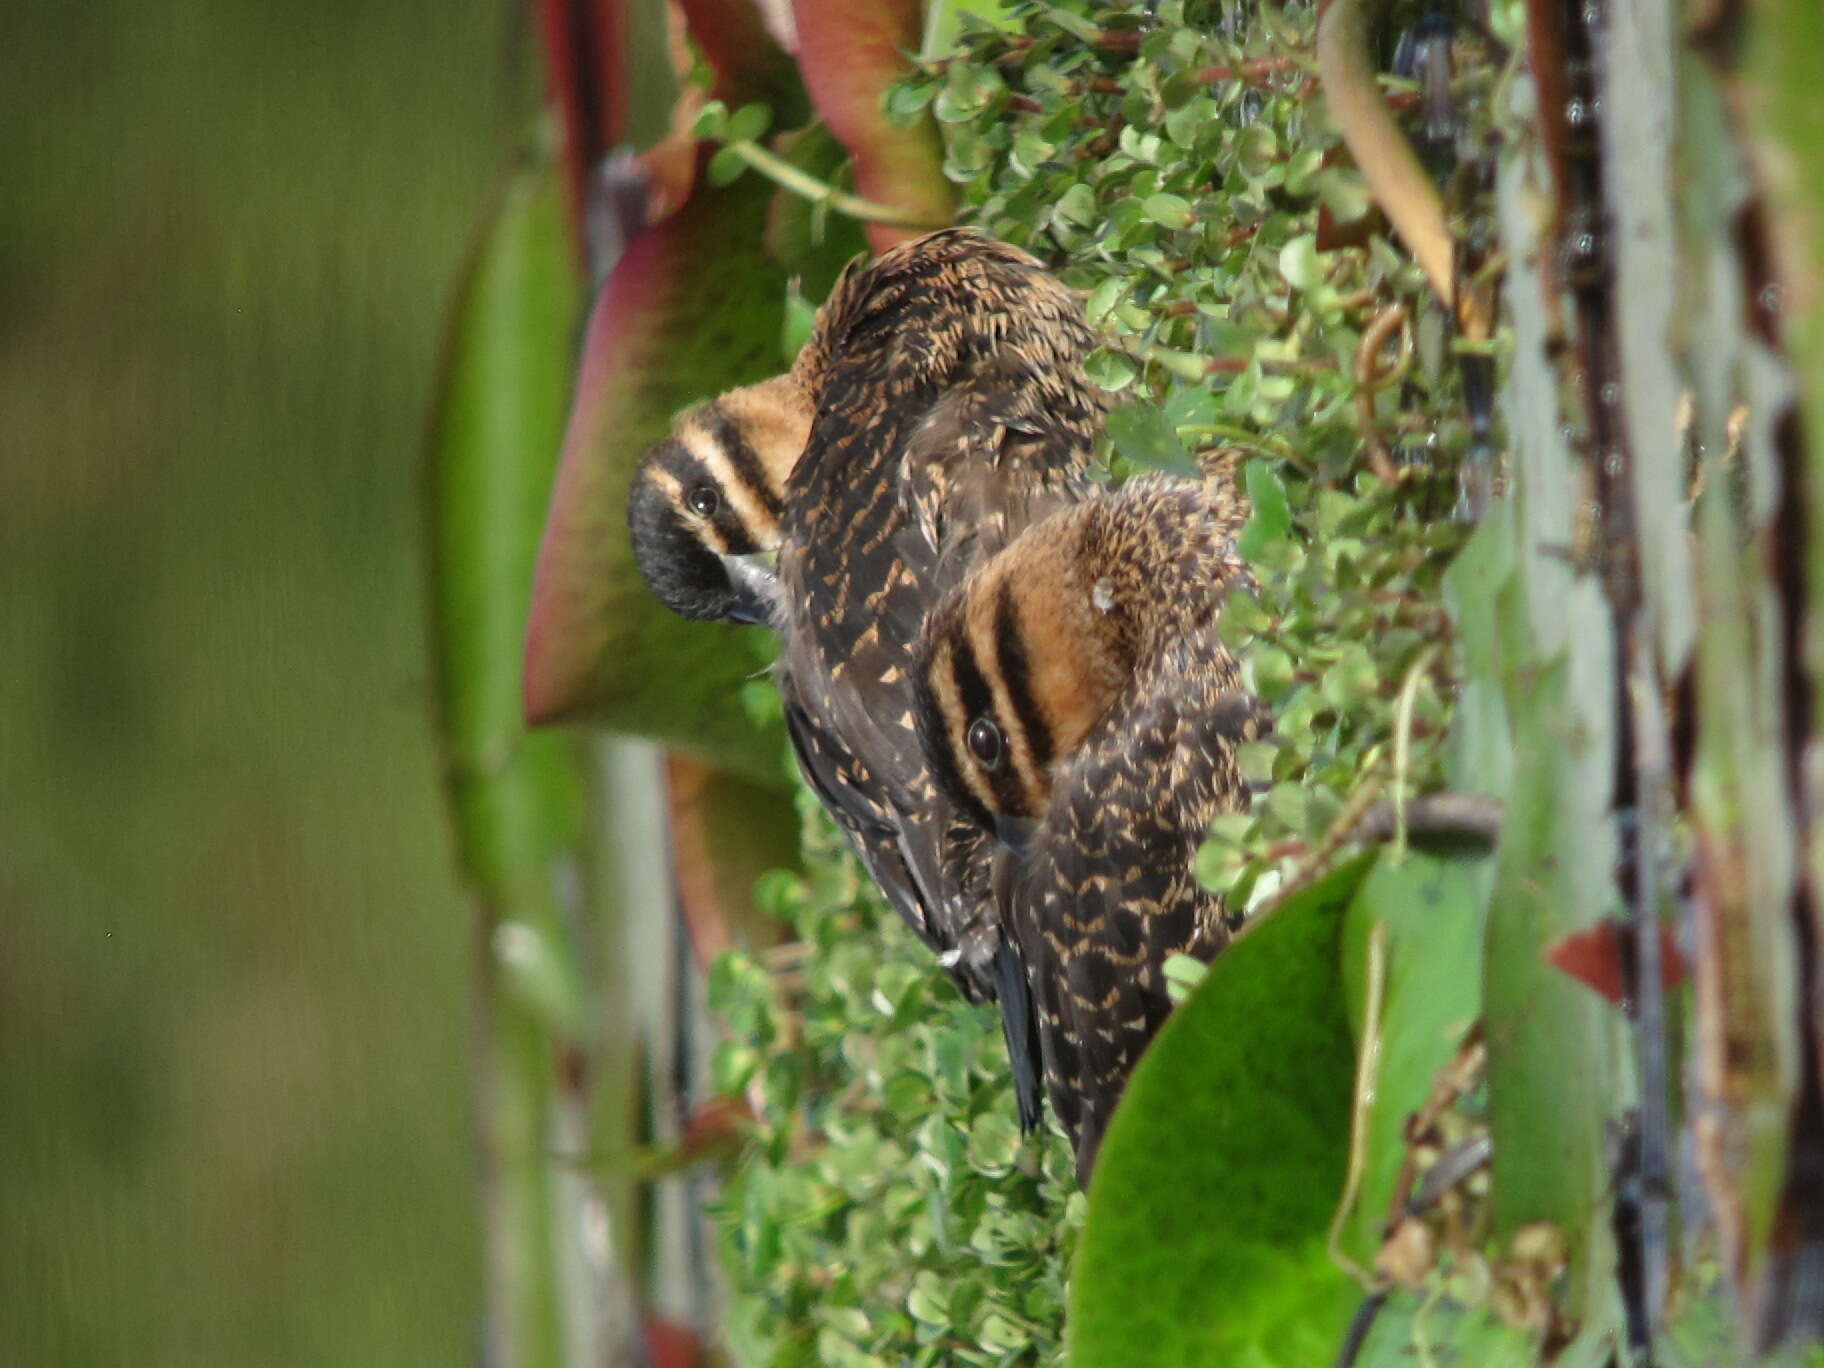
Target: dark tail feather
(1020, 1026)
(1089, 1143)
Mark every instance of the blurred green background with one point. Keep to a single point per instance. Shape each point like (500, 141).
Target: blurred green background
(234, 963)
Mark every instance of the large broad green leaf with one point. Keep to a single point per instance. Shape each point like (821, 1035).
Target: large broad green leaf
(516, 797)
(494, 444)
(1433, 911)
(1414, 1329)
(1547, 1120)
(848, 55)
(1540, 667)
(691, 309)
(1223, 1165)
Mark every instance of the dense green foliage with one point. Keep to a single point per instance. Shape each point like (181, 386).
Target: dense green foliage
(889, 1206)
(1186, 207)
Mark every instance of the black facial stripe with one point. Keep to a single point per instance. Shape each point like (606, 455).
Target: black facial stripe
(672, 559)
(978, 699)
(723, 533)
(935, 737)
(1016, 674)
(737, 540)
(741, 458)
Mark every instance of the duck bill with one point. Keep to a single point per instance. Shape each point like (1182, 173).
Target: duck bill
(1015, 832)
(755, 587)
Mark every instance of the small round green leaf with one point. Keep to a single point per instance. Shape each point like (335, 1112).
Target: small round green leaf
(748, 123)
(1170, 211)
(1112, 370)
(726, 166)
(711, 120)
(1145, 436)
(1298, 262)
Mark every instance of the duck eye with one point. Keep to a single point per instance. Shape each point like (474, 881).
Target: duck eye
(703, 499)
(985, 742)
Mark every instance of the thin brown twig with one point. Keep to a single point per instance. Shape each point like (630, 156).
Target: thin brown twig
(1254, 71)
(781, 172)
(1235, 365)
(1371, 375)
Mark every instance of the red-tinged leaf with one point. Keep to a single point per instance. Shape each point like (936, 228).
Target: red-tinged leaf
(585, 61)
(1602, 957)
(747, 65)
(1431, 912)
(713, 1131)
(619, 81)
(691, 309)
(746, 58)
(725, 833)
(849, 54)
(671, 1346)
(715, 1123)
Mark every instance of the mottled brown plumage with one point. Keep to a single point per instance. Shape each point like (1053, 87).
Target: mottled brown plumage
(952, 411)
(948, 411)
(1075, 698)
